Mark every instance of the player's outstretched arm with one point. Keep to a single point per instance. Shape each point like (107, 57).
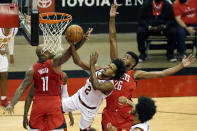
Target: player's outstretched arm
(59, 60)
(105, 87)
(77, 60)
(28, 102)
(20, 91)
(112, 32)
(157, 74)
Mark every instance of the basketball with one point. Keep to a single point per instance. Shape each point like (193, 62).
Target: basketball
(74, 33)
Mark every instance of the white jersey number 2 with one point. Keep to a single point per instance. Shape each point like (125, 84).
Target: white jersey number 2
(87, 90)
(45, 83)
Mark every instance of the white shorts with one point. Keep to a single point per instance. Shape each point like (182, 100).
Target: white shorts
(3, 63)
(87, 115)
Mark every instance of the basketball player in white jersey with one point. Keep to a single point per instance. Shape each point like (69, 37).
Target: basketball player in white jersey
(100, 84)
(6, 49)
(142, 112)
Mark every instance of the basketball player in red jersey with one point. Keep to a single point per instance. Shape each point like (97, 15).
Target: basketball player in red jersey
(46, 108)
(113, 112)
(29, 98)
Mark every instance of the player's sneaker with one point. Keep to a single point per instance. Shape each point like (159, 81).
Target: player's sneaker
(4, 102)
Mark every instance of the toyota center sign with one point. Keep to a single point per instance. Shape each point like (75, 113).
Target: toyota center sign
(95, 13)
(89, 3)
(46, 5)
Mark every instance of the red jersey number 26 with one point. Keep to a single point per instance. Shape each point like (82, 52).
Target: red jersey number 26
(118, 85)
(45, 83)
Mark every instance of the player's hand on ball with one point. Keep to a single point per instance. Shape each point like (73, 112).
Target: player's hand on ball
(70, 43)
(122, 100)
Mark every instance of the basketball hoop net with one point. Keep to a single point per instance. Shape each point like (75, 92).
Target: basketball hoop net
(53, 24)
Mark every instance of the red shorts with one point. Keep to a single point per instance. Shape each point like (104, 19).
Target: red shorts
(46, 112)
(122, 120)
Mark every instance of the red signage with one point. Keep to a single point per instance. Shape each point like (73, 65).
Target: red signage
(46, 5)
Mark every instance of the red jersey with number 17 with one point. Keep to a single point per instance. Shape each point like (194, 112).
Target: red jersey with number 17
(46, 80)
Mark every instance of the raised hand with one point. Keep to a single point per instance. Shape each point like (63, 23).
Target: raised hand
(188, 60)
(93, 58)
(88, 33)
(113, 10)
(122, 100)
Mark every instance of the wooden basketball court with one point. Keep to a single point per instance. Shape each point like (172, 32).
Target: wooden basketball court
(173, 114)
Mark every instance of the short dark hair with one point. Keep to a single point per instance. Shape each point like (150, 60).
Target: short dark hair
(134, 56)
(121, 68)
(145, 108)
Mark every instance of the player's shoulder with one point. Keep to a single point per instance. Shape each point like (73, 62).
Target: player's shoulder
(131, 71)
(30, 71)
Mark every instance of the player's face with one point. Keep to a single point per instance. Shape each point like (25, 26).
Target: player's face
(49, 55)
(128, 60)
(110, 70)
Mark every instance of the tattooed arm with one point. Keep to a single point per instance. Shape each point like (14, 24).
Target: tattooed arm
(20, 91)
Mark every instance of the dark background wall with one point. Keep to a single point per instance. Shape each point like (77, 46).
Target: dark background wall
(95, 13)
